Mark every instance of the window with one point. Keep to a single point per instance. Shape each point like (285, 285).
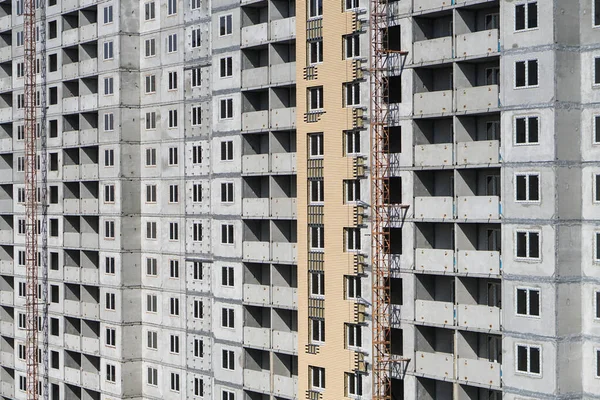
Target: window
(353, 335)
(196, 35)
(527, 130)
(528, 359)
(173, 231)
(352, 189)
(351, 4)
(22, 289)
(597, 71)
(151, 266)
(196, 74)
(152, 376)
(109, 122)
(174, 306)
(526, 16)
(152, 342)
(315, 52)
(150, 84)
(527, 187)
(172, 80)
(150, 193)
(197, 267)
(109, 193)
(150, 157)
(197, 154)
(109, 265)
(317, 188)
(315, 144)
(174, 269)
(195, 4)
(197, 193)
(352, 44)
(315, 8)
(21, 195)
(227, 276)
(111, 337)
(111, 373)
(20, 164)
(21, 226)
(225, 25)
(228, 359)
(198, 309)
(108, 50)
(596, 13)
(226, 108)
(110, 303)
(353, 239)
(22, 383)
(171, 7)
(21, 352)
(197, 232)
(317, 239)
(352, 92)
(227, 192)
(353, 287)
(597, 255)
(227, 317)
(173, 193)
(352, 142)
(354, 384)
(172, 43)
(317, 330)
(526, 73)
(198, 387)
(227, 150)
(108, 14)
(317, 377)
(174, 344)
(227, 395)
(198, 348)
(109, 158)
(317, 284)
(22, 321)
(174, 382)
(109, 229)
(227, 234)
(315, 98)
(528, 302)
(109, 86)
(151, 120)
(150, 47)
(20, 38)
(149, 11)
(173, 120)
(196, 115)
(151, 230)
(226, 70)
(528, 245)
(173, 156)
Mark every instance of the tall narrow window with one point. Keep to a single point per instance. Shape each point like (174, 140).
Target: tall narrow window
(526, 16)
(528, 245)
(526, 73)
(527, 130)
(527, 187)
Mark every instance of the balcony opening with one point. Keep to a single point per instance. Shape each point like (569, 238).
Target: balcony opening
(477, 19)
(90, 225)
(482, 72)
(434, 183)
(479, 346)
(6, 254)
(54, 261)
(90, 329)
(256, 231)
(72, 293)
(72, 392)
(70, 21)
(71, 89)
(393, 90)
(479, 237)
(285, 320)
(88, 120)
(5, 39)
(6, 131)
(70, 55)
(435, 288)
(255, 187)
(433, 79)
(88, 51)
(6, 9)
(53, 128)
(285, 365)
(53, 62)
(283, 142)
(478, 182)
(397, 342)
(256, 100)
(253, 144)
(433, 131)
(6, 100)
(90, 260)
(88, 16)
(257, 317)
(283, 187)
(285, 276)
(254, 14)
(71, 258)
(70, 122)
(433, 389)
(5, 70)
(90, 394)
(476, 291)
(89, 155)
(89, 86)
(281, 9)
(71, 156)
(257, 274)
(392, 38)
(284, 53)
(283, 97)
(393, 194)
(90, 294)
(478, 128)
(477, 393)
(434, 340)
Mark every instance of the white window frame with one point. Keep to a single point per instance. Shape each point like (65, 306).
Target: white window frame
(527, 119)
(150, 121)
(149, 11)
(107, 13)
(152, 376)
(526, 15)
(108, 50)
(151, 267)
(196, 38)
(527, 85)
(353, 287)
(528, 233)
(315, 57)
(352, 45)
(226, 108)
(528, 347)
(152, 339)
(171, 7)
(317, 331)
(227, 318)
(528, 291)
(109, 122)
(315, 95)
(315, 145)
(150, 84)
(354, 336)
(354, 237)
(319, 231)
(317, 384)
(150, 47)
(172, 43)
(527, 176)
(315, 8)
(225, 25)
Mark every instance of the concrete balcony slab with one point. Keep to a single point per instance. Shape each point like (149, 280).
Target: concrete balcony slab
(257, 337)
(427, 51)
(255, 120)
(89, 206)
(286, 297)
(257, 380)
(88, 32)
(70, 37)
(285, 341)
(6, 53)
(72, 342)
(255, 34)
(434, 260)
(285, 386)
(255, 164)
(71, 104)
(439, 365)
(255, 77)
(89, 171)
(70, 138)
(433, 102)
(256, 251)
(283, 29)
(70, 70)
(478, 153)
(283, 208)
(87, 67)
(479, 98)
(255, 208)
(478, 43)
(5, 22)
(478, 262)
(436, 207)
(282, 73)
(71, 239)
(478, 316)
(481, 372)
(283, 163)
(433, 155)
(6, 145)
(284, 252)
(478, 207)
(89, 102)
(257, 294)
(88, 136)
(5, 84)
(71, 172)
(283, 118)
(434, 312)
(71, 273)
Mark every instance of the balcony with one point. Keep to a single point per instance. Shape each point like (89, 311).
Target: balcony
(257, 294)
(90, 345)
(433, 260)
(478, 43)
(478, 316)
(70, 37)
(6, 236)
(8, 389)
(6, 298)
(478, 262)
(72, 342)
(71, 273)
(423, 5)
(283, 118)
(71, 104)
(90, 380)
(285, 297)
(255, 77)
(255, 208)
(285, 386)
(434, 312)
(90, 310)
(439, 365)
(257, 337)
(284, 252)
(6, 145)
(88, 67)
(479, 98)
(257, 251)
(433, 155)
(71, 172)
(70, 138)
(89, 240)
(89, 276)
(6, 267)
(427, 51)
(255, 34)
(283, 28)
(5, 22)
(89, 136)
(73, 375)
(88, 32)
(285, 341)
(89, 171)
(6, 328)
(255, 164)
(5, 84)
(72, 307)
(6, 53)
(283, 73)
(478, 207)
(436, 207)
(283, 208)
(439, 102)
(481, 152)
(257, 380)
(283, 163)
(255, 120)
(71, 239)
(482, 372)
(70, 70)
(7, 359)
(89, 102)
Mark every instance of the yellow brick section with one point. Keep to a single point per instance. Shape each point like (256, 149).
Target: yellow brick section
(331, 74)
